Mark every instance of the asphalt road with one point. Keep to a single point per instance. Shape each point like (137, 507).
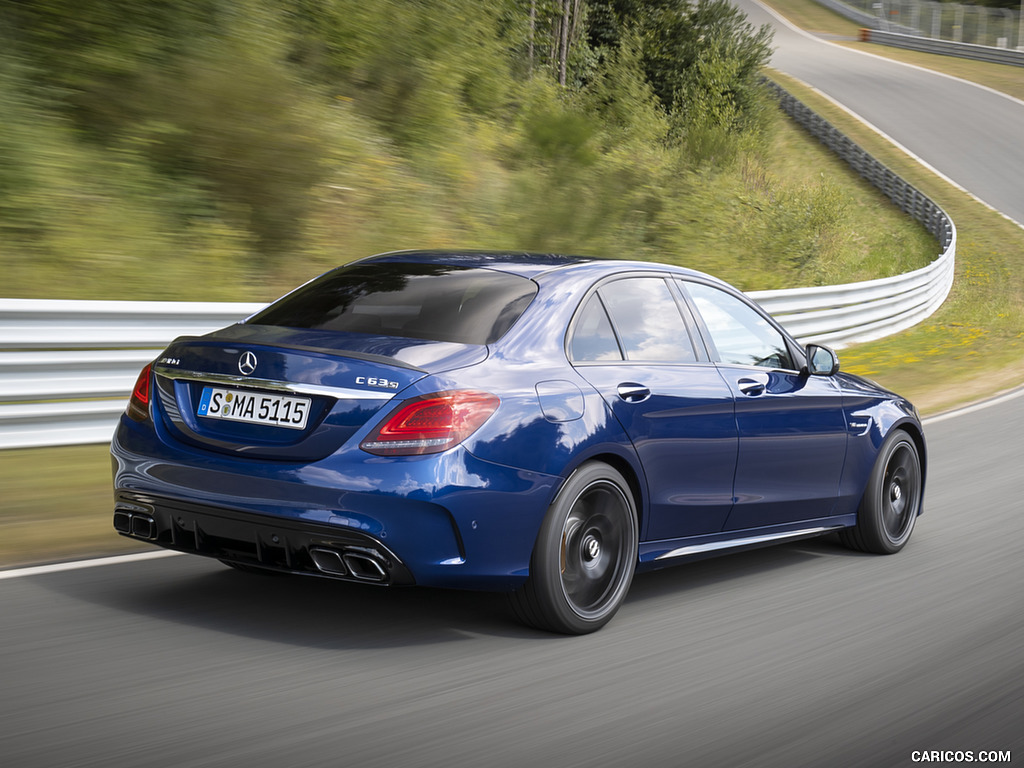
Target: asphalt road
(971, 135)
(800, 655)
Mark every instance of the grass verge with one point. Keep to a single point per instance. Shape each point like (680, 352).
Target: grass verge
(57, 505)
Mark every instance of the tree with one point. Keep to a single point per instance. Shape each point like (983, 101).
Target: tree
(704, 58)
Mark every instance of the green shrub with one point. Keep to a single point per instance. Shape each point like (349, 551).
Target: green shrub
(255, 144)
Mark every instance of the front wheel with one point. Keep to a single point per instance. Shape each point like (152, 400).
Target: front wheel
(891, 500)
(585, 555)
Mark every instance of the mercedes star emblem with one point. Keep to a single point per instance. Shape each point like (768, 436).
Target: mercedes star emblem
(247, 363)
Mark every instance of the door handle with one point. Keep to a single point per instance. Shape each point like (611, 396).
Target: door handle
(633, 393)
(753, 385)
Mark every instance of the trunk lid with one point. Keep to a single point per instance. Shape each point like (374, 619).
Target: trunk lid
(289, 394)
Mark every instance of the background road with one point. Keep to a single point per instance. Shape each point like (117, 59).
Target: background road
(973, 136)
(805, 654)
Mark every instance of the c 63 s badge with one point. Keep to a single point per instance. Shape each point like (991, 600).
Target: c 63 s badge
(374, 381)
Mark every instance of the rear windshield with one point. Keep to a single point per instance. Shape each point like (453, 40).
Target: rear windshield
(419, 301)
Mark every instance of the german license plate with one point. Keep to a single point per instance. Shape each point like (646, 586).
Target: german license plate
(254, 407)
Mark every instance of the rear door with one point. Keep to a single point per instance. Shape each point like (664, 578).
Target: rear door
(633, 341)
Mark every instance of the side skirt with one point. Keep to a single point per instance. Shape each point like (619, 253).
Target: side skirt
(660, 554)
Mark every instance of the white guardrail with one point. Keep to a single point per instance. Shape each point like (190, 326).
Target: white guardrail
(67, 367)
(950, 29)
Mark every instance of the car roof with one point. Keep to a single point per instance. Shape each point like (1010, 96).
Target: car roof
(524, 263)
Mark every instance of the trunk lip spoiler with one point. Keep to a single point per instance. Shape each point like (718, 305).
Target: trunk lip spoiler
(367, 357)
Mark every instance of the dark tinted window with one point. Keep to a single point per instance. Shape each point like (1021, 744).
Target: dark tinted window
(741, 335)
(593, 339)
(420, 301)
(647, 320)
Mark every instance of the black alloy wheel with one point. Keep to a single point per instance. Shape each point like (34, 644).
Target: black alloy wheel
(892, 499)
(585, 554)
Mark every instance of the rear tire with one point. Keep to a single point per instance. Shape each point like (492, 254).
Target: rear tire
(891, 500)
(585, 555)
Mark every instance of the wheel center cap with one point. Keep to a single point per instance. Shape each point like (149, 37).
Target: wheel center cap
(897, 493)
(591, 548)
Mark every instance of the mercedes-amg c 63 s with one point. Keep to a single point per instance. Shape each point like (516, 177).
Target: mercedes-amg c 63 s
(536, 424)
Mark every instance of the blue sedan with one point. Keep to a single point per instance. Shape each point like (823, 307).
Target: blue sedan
(536, 424)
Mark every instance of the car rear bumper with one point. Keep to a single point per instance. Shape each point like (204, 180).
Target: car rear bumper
(448, 520)
(278, 544)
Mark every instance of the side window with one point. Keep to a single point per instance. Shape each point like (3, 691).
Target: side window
(741, 335)
(593, 339)
(647, 321)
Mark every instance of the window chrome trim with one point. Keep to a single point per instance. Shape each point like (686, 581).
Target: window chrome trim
(650, 363)
(762, 368)
(247, 382)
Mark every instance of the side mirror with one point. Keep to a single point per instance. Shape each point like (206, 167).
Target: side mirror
(821, 361)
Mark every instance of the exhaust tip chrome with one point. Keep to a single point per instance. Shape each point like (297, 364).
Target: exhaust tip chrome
(364, 567)
(352, 563)
(122, 522)
(135, 524)
(143, 527)
(328, 561)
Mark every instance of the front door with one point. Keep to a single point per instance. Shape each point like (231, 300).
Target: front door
(791, 425)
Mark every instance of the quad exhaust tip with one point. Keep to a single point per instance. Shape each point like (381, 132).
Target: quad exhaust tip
(356, 564)
(364, 567)
(328, 561)
(135, 524)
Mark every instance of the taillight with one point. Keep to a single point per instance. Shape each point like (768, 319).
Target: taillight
(431, 423)
(138, 406)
